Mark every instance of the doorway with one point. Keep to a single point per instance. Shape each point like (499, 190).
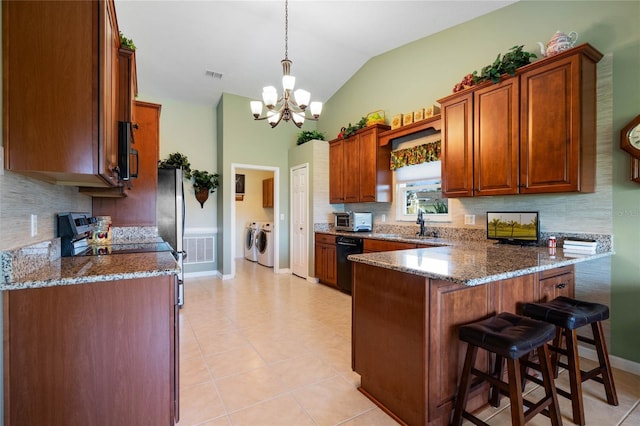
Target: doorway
(248, 207)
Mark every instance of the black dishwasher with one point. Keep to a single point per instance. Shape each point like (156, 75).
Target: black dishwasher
(346, 246)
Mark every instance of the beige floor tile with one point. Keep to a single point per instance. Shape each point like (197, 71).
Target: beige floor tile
(332, 401)
(249, 388)
(220, 421)
(199, 403)
(212, 342)
(193, 371)
(303, 370)
(634, 417)
(374, 417)
(283, 410)
(235, 361)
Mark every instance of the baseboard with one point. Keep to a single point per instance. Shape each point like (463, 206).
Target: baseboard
(616, 362)
(200, 274)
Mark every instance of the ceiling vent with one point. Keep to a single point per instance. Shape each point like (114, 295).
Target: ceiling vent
(213, 74)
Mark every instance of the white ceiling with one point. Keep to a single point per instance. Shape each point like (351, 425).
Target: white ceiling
(178, 41)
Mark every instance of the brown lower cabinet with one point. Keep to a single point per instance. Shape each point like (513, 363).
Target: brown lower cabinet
(405, 342)
(101, 353)
(326, 261)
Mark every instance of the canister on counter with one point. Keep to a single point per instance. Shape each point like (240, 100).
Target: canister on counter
(552, 242)
(101, 231)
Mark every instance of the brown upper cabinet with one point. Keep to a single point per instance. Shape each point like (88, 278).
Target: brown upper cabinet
(531, 133)
(267, 192)
(60, 67)
(127, 84)
(359, 168)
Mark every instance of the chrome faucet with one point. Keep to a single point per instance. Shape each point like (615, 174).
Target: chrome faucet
(420, 222)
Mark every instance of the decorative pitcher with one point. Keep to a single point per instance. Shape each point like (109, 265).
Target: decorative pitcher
(558, 43)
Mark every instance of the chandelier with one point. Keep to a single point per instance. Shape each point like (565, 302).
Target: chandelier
(287, 107)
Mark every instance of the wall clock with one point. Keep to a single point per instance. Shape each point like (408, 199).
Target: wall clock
(630, 137)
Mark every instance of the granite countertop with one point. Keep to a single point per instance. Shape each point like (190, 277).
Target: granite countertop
(53, 270)
(474, 262)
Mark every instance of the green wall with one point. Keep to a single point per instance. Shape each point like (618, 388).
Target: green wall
(420, 73)
(242, 140)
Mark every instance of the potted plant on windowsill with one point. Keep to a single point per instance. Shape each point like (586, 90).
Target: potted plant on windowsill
(203, 184)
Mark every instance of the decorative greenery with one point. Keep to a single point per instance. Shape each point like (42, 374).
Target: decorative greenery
(126, 42)
(416, 155)
(350, 130)
(308, 135)
(508, 64)
(202, 179)
(177, 160)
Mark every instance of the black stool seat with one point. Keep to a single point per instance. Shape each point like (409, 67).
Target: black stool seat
(508, 335)
(566, 312)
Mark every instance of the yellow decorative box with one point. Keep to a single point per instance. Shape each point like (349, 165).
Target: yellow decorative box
(396, 121)
(431, 110)
(407, 118)
(418, 114)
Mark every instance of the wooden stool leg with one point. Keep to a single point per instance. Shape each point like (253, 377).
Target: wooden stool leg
(575, 377)
(549, 385)
(557, 342)
(494, 392)
(465, 384)
(605, 366)
(515, 392)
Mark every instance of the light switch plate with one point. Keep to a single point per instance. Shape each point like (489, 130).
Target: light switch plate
(469, 219)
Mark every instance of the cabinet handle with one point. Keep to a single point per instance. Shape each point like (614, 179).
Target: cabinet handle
(561, 285)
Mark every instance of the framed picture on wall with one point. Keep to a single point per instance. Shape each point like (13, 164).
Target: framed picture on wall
(239, 184)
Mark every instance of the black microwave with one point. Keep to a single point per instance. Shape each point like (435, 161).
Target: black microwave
(127, 155)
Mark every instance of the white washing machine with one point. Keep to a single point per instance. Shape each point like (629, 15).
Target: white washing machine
(264, 244)
(250, 249)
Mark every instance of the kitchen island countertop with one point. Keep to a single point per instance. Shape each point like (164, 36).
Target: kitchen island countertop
(473, 263)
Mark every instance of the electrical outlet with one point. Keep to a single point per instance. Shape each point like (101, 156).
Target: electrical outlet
(34, 225)
(469, 219)
(383, 218)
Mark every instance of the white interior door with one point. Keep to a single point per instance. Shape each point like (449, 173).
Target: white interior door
(299, 221)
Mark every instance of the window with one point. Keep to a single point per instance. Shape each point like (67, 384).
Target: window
(425, 195)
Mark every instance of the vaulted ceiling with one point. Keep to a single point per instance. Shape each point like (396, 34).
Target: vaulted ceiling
(181, 43)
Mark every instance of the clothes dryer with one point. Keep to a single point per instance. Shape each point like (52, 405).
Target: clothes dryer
(264, 244)
(250, 249)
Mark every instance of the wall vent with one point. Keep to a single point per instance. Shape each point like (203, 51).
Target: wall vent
(213, 74)
(200, 249)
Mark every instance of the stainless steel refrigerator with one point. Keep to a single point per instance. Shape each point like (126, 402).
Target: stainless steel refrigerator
(170, 216)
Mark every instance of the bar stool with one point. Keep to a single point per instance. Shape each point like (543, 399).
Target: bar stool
(509, 337)
(568, 315)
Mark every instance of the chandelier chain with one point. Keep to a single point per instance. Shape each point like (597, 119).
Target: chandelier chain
(286, 29)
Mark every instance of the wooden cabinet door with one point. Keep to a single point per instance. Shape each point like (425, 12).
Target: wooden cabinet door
(267, 193)
(336, 167)
(557, 282)
(90, 354)
(59, 123)
(138, 208)
(371, 245)
(326, 261)
(351, 170)
(367, 162)
(550, 140)
(127, 84)
(452, 305)
(495, 138)
(457, 146)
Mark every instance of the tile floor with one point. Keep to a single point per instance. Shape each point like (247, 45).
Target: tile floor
(274, 349)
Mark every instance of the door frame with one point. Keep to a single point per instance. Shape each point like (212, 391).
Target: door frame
(276, 213)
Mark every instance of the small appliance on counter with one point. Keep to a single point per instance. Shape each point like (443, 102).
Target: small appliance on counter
(73, 230)
(353, 221)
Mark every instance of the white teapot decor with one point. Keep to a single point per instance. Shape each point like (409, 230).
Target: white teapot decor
(558, 43)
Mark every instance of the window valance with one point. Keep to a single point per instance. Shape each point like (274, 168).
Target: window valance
(416, 155)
